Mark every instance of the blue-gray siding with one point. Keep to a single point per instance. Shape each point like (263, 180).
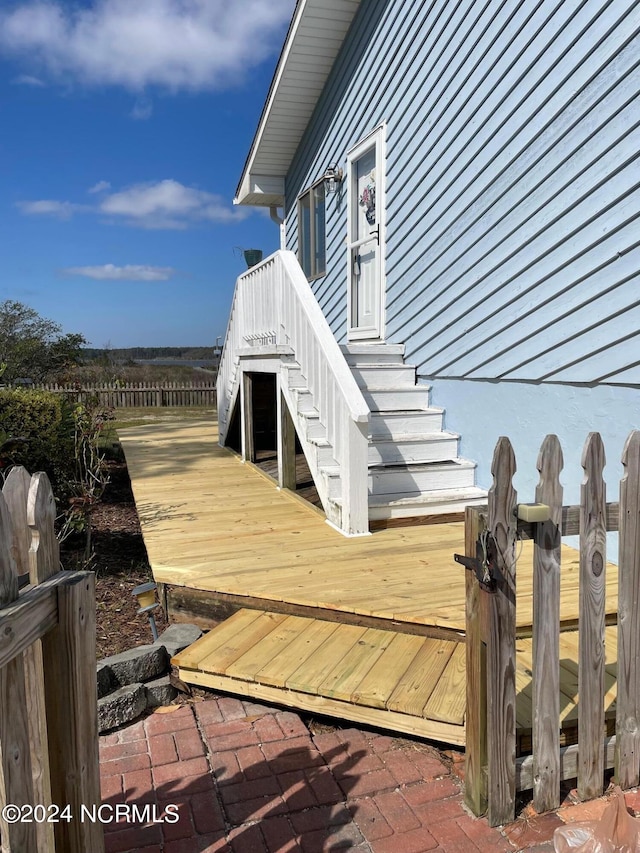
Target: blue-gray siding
(513, 183)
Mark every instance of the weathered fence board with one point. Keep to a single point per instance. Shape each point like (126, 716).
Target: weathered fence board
(72, 711)
(593, 542)
(48, 702)
(493, 772)
(501, 639)
(546, 631)
(139, 395)
(16, 490)
(15, 754)
(628, 699)
(476, 686)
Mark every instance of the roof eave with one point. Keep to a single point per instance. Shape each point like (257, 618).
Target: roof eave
(275, 141)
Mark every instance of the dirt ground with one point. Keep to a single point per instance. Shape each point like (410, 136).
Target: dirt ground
(120, 562)
(119, 557)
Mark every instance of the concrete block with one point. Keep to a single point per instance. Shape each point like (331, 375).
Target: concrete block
(106, 679)
(121, 706)
(140, 664)
(160, 691)
(178, 636)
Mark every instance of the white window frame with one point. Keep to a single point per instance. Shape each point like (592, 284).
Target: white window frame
(313, 274)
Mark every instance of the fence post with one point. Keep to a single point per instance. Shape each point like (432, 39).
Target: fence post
(72, 714)
(475, 523)
(70, 692)
(546, 631)
(16, 491)
(627, 757)
(16, 780)
(593, 533)
(501, 641)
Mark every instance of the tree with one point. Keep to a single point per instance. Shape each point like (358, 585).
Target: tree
(32, 347)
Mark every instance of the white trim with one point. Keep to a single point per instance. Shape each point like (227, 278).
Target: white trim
(315, 37)
(377, 138)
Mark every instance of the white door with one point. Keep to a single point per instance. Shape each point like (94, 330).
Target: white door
(365, 275)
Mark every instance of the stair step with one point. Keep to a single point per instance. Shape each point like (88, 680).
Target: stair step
(324, 452)
(312, 426)
(294, 377)
(410, 480)
(430, 447)
(433, 503)
(405, 423)
(362, 354)
(415, 397)
(334, 667)
(418, 478)
(385, 376)
(304, 400)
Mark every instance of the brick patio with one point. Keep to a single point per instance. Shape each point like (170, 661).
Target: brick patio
(247, 778)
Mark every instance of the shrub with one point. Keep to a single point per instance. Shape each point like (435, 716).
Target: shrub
(36, 430)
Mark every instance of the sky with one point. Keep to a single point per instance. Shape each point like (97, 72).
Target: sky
(124, 128)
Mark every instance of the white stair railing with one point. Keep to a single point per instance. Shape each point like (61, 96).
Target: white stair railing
(273, 305)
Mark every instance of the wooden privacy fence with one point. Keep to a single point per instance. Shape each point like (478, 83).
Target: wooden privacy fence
(49, 770)
(141, 394)
(493, 772)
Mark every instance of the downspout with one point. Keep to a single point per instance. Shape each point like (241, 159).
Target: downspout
(275, 217)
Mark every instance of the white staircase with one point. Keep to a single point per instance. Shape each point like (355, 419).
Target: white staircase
(414, 466)
(376, 449)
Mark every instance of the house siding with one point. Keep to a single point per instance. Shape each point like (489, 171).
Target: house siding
(512, 190)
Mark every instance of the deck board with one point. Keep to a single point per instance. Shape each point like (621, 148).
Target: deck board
(336, 670)
(213, 523)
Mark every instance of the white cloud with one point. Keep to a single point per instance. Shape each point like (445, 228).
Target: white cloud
(168, 204)
(49, 207)
(100, 187)
(164, 204)
(129, 272)
(27, 80)
(174, 44)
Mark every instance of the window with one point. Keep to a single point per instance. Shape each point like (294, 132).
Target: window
(311, 228)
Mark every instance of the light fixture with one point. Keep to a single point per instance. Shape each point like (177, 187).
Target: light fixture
(146, 595)
(332, 178)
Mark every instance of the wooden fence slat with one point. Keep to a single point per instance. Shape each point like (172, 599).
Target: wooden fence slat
(8, 570)
(44, 554)
(476, 686)
(44, 562)
(627, 757)
(16, 780)
(501, 640)
(546, 631)
(140, 394)
(16, 491)
(72, 712)
(592, 621)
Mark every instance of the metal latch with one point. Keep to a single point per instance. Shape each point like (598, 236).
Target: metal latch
(484, 563)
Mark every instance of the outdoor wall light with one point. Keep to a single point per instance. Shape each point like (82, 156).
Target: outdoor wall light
(146, 595)
(332, 178)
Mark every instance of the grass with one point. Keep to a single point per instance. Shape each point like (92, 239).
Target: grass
(150, 373)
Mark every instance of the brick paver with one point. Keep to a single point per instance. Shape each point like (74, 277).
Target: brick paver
(245, 778)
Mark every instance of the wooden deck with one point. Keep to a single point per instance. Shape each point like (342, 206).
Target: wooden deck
(216, 526)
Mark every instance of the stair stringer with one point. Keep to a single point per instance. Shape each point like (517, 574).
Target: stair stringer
(310, 447)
